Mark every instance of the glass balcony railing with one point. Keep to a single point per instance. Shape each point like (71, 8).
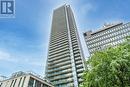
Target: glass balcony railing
(53, 51)
(59, 57)
(59, 49)
(58, 61)
(77, 58)
(80, 70)
(60, 68)
(62, 77)
(63, 81)
(59, 54)
(60, 72)
(60, 64)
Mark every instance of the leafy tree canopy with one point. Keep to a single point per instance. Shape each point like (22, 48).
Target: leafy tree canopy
(109, 68)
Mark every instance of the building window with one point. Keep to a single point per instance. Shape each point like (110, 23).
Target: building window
(44, 85)
(37, 84)
(31, 82)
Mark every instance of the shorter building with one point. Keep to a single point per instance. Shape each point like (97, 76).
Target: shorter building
(109, 35)
(25, 79)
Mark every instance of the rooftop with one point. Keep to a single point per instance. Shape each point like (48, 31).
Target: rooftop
(105, 27)
(21, 73)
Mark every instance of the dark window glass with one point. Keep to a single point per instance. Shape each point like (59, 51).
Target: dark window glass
(31, 82)
(37, 84)
(44, 85)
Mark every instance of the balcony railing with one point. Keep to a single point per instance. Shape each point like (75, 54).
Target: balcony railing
(62, 77)
(58, 61)
(60, 68)
(63, 81)
(60, 72)
(59, 57)
(60, 64)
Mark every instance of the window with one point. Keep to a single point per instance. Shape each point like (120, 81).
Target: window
(37, 84)
(44, 85)
(31, 82)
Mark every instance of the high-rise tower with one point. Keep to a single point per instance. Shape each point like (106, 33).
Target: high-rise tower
(65, 63)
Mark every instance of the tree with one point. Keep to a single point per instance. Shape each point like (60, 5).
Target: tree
(109, 68)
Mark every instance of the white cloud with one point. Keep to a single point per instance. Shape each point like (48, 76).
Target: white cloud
(84, 9)
(6, 56)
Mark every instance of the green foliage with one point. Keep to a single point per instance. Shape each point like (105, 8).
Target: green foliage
(109, 68)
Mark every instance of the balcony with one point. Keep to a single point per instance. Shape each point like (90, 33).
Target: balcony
(58, 42)
(60, 72)
(62, 77)
(75, 46)
(80, 80)
(81, 74)
(77, 55)
(75, 49)
(63, 81)
(60, 48)
(61, 37)
(53, 51)
(78, 62)
(59, 57)
(77, 58)
(79, 66)
(80, 70)
(58, 61)
(59, 54)
(59, 64)
(59, 69)
(59, 45)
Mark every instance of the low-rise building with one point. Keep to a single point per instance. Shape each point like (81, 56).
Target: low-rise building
(25, 79)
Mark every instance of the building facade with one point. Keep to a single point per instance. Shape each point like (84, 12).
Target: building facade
(65, 63)
(22, 79)
(110, 35)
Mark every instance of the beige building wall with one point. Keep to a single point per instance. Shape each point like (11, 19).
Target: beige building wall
(23, 81)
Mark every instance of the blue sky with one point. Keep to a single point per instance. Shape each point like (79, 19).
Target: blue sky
(24, 39)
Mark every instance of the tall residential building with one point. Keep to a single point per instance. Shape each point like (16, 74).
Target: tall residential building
(25, 79)
(109, 35)
(65, 63)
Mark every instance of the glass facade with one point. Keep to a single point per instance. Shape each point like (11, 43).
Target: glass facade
(31, 82)
(110, 36)
(36, 83)
(65, 63)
